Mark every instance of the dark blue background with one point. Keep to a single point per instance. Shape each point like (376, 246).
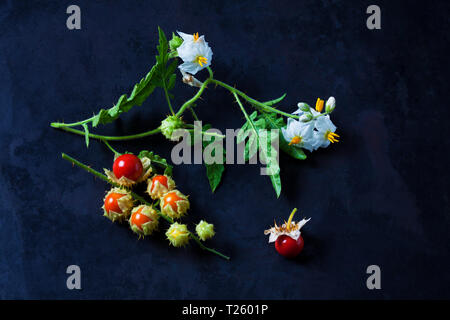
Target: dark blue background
(380, 196)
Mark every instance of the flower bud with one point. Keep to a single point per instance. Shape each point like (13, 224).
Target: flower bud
(330, 105)
(174, 204)
(169, 125)
(205, 230)
(178, 234)
(143, 220)
(159, 185)
(175, 42)
(117, 204)
(303, 106)
(306, 117)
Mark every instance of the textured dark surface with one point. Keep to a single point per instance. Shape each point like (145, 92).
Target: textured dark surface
(378, 197)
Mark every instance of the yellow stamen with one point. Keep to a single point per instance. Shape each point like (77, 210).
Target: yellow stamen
(295, 140)
(175, 234)
(319, 105)
(331, 136)
(201, 60)
(288, 224)
(196, 37)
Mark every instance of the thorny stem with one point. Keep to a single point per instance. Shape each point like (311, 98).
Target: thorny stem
(73, 124)
(186, 105)
(194, 98)
(251, 100)
(139, 198)
(245, 113)
(168, 99)
(110, 138)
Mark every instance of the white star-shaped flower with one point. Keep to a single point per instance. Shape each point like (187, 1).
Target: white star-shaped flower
(299, 134)
(195, 53)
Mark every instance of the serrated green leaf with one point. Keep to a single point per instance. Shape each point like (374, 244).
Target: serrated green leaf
(156, 159)
(86, 134)
(276, 183)
(160, 75)
(214, 171)
(269, 155)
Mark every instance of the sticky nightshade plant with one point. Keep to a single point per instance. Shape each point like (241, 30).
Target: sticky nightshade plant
(305, 129)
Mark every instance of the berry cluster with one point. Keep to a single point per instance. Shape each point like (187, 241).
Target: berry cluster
(119, 203)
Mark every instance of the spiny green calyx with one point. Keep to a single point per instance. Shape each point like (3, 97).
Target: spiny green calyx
(178, 234)
(169, 125)
(175, 42)
(205, 230)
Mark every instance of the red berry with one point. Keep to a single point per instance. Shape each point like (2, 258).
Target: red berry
(171, 199)
(128, 166)
(288, 247)
(138, 219)
(111, 202)
(161, 179)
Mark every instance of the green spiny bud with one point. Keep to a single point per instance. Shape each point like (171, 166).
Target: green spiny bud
(169, 125)
(175, 42)
(205, 230)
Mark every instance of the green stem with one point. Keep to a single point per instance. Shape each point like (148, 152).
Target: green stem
(110, 138)
(251, 100)
(166, 93)
(211, 75)
(194, 98)
(214, 134)
(193, 113)
(111, 148)
(73, 124)
(139, 198)
(245, 113)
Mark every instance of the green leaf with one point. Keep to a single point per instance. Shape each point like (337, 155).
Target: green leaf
(154, 158)
(214, 171)
(269, 155)
(276, 183)
(86, 134)
(260, 140)
(160, 75)
(275, 122)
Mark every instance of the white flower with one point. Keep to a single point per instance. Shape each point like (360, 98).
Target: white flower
(324, 133)
(299, 134)
(195, 53)
(291, 229)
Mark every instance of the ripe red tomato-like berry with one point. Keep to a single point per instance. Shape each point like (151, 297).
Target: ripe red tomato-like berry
(138, 219)
(288, 247)
(128, 166)
(111, 202)
(171, 199)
